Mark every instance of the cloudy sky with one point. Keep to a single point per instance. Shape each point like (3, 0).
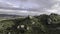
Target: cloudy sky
(29, 7)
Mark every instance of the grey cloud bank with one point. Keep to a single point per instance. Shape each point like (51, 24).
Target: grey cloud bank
(21, 7)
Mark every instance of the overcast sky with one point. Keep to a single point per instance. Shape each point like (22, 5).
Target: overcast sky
(29, 7)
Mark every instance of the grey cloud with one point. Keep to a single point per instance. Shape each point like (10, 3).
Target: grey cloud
(33, 4)
(20, 12)
(39, 6)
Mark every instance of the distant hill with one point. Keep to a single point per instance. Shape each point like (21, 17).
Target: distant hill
(9, 16)
(4, 15)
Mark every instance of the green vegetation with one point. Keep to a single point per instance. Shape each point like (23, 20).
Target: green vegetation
(43, 24)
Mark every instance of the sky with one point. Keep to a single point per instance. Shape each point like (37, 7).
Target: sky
(29, 7)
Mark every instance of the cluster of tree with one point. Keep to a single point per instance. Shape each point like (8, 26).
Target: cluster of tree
(43, 24)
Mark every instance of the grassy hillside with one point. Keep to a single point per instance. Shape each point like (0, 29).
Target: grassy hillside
(43, 24)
